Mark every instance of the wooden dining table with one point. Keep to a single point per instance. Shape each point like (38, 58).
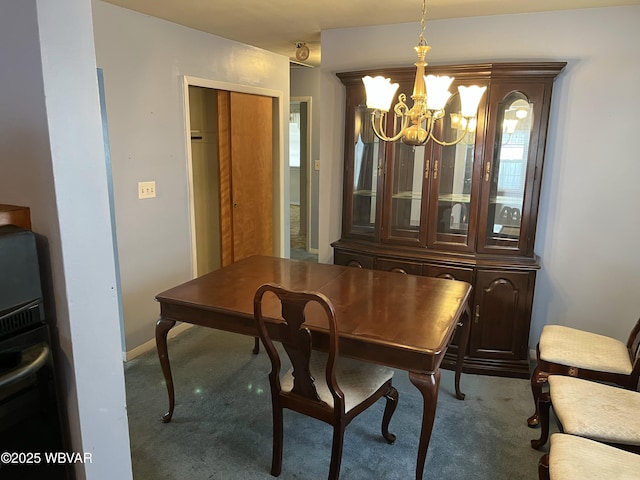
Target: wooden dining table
(402, 321)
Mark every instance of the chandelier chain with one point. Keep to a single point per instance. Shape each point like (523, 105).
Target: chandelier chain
(422, 41)
(418, 122)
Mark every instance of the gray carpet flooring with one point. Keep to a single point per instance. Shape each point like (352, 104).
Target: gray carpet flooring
(298, 237)
(221, 427)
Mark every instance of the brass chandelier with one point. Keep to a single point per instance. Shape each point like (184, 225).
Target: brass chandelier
(430, 96)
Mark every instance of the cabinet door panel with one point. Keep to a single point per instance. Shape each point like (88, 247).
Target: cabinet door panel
(512, 161)
(501, 314)
(364, 163)
(455, 179)
(368, 153)
(404, 222)
(406, 192)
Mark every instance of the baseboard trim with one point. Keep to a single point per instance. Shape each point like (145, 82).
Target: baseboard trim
(151, 344)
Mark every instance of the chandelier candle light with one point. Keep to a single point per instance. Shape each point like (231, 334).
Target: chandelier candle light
(430, 96)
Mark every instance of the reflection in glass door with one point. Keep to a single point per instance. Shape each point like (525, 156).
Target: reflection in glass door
(451, 179)
(406, 193)
(509, 173)
(367, 168)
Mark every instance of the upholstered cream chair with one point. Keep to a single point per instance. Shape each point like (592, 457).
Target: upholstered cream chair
(593, 410)
(576, 353)
(577, 458)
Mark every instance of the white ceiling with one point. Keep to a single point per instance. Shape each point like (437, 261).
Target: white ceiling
(277, 25)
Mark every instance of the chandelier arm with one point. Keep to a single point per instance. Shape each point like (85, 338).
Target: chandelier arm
(401, 109)
(448, 144)
(378, 129)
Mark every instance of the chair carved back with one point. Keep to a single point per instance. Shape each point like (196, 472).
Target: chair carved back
(296, 339)
(633, 344)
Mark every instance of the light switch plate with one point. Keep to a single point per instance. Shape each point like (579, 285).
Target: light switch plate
(146, 189)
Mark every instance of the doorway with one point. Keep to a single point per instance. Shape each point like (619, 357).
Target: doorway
(205, 178)
(234, 156)
(300, 178)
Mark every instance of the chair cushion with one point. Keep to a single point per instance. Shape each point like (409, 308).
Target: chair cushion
(597, 411)
(357, 380)
(576, 458)
(572, 347)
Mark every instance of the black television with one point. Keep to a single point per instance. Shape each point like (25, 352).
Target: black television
(21, 305)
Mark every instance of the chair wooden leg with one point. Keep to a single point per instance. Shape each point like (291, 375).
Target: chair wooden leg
(543, 467)
(389, 409)
(544, 407)
(276, 459)
(336, 451)
(256, 346)
(538, 379)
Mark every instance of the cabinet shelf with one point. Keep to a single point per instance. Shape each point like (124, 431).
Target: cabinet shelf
(454, 197)
(406, 196)
(365, 193)
(505, 200)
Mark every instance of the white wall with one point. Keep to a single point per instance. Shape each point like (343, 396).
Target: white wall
(52, 160)
(589, 225)
(144, 61)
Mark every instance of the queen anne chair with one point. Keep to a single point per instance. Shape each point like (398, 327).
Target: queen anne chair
(576, 353)
(577, 458)
(324, 386)
(592, 410)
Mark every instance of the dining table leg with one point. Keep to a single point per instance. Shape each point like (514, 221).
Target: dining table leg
(162, 329)
(465, 325)
(427, 384)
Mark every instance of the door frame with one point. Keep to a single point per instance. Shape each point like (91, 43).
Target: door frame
(309, 162)
(280, 173)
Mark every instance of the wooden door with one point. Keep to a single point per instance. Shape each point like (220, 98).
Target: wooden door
(245, 128)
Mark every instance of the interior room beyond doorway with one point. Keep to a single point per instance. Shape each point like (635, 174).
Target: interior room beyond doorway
(299, 168)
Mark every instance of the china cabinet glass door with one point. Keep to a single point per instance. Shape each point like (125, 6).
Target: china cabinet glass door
(368, 156)
(453, 190)
(404, 222)
(508, 172)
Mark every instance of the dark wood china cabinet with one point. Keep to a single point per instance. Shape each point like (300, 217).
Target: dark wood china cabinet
(466, 211)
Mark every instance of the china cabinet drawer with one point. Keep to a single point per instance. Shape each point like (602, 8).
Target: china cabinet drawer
(400, 266)
(449, 272)
(349, 259)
